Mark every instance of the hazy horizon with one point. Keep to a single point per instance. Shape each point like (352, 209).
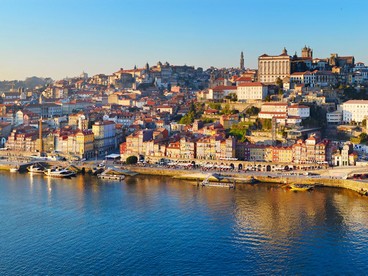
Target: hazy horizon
(61, 39)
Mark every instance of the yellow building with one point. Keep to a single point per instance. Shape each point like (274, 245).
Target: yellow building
(206, 148)
(84, 143)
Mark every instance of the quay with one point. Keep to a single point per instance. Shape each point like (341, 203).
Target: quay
(360, 187)
(327, 177)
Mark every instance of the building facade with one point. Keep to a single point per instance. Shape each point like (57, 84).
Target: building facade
(270, 68)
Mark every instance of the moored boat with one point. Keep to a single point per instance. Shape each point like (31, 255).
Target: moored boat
(14, 169)
(59, 173)
(118, 177)
(301, 187)
(35, 169)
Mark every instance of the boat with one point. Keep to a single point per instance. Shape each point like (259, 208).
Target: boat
(219, 184)
(35, 169)
(207, 183)
(14, 169)
(118, 177)
(300, 187)
(59, 173)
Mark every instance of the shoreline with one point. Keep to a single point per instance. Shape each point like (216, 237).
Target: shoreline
(245, 178)
(233, 177)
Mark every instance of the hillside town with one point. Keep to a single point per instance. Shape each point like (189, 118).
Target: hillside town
(292, 110)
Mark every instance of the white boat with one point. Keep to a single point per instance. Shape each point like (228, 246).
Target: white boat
(111, 176)
(35, 169)
(59, 173)
(14, 169)
(206, 182)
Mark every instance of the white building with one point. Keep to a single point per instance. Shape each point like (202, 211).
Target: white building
(251, 91)
(218, 93)
(334, 117)
(270, 110)
(270, 68)
(301, 111)
(307, 78)
(354, 110)
(320, 78)
(291, 114)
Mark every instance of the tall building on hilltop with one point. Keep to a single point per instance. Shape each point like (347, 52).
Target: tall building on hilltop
(270, 68)
(241, 61)
(307, 52)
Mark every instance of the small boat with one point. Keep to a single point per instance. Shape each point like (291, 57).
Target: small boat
(300, 187)
(59, 173)
(118, 177)
(14, 169)
(219, 184)
(207, 183)
(35, 169)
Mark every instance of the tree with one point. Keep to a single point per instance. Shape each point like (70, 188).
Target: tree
(188, 118)
(279, 82)
(216, 106)
(363, 137)
(226, 109)
(232, 97)
(207, 120)
(266, 124)
(239, 131)
(132, 160)
(364, 122)
(252, 111)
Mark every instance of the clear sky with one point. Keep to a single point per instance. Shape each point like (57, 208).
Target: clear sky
(59, 38)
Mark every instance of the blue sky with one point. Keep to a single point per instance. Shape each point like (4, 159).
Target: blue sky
(59, 38)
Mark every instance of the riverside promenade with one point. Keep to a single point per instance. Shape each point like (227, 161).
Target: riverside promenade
(323, 180)
(332, 177)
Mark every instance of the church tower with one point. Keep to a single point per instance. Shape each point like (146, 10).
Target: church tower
(307, 52)
(241, 61)
(40, 136)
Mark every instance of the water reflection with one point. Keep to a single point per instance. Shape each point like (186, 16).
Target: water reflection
(155, 222)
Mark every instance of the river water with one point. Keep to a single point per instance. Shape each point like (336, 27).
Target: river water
(156, 225)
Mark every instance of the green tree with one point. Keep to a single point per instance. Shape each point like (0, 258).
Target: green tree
(252, 111)
(266, 124)
(226, 109)
(232, 97)
(132, 160)
(364, 122)
(188, 118)
(363, 137)
(216, 106)
(207, 120)
(279, 82)
(239, 131)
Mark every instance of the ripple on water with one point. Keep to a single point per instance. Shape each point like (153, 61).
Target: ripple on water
(152, 225)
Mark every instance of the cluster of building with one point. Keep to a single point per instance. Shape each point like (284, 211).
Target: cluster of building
(137, 110)
(90, 116)
(193, 144)
(348, 112)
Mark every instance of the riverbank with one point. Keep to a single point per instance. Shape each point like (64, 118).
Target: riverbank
(245, 178)
(229, 176)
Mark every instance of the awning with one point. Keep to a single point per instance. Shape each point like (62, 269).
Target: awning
(113, 156)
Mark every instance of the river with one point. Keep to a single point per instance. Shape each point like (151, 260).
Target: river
(157, 225)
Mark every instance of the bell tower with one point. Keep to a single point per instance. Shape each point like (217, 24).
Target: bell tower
(241, 61)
